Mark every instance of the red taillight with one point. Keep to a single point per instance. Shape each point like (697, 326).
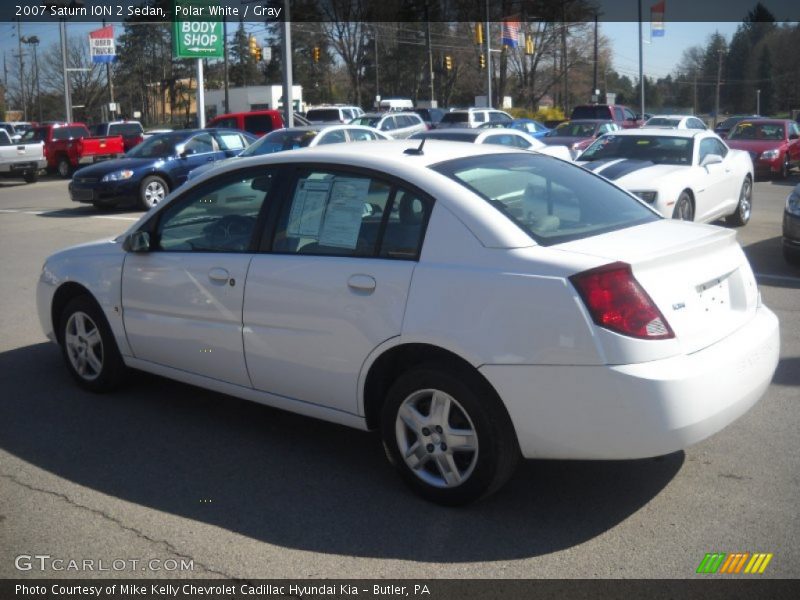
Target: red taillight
(617, 302)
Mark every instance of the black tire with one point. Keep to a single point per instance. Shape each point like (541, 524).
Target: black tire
(745, 207)
(684, 207)
(476, 409)
(31, 176)
(147, 196)
(64, 168)
(784, 174)
(111, 371)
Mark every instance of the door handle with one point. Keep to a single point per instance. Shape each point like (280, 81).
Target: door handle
(362, 283)
(219, 275)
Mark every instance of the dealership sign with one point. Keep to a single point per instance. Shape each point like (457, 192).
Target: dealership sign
(194, 38)
(101, 45)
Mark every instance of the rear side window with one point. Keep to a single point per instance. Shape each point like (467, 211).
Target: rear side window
(552, 201)
(125, 129)
(342, 214)
(258, 123)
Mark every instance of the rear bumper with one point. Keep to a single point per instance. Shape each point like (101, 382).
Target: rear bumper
(23, 166)
(639, 410)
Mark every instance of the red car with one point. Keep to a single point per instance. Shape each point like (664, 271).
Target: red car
(773, 144)
(256, 122)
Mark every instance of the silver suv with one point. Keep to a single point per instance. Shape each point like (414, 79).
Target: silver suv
(473, 117)
(397, 125)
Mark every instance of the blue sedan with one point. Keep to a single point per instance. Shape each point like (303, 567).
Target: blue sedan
(149, 171)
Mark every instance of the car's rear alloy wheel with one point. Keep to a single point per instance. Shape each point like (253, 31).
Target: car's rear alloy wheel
(448, 435)
(64, 168)
(684, 210)
(745, 206)
(89, 347)
(152, 191)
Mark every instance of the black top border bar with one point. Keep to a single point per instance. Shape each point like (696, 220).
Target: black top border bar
(667, 11)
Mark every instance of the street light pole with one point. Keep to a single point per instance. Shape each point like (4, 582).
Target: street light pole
(21, 73)
(758, 102)
(67, 100)
(33, 40)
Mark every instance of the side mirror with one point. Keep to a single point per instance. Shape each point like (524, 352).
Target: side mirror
(711, 159)
(138, 241)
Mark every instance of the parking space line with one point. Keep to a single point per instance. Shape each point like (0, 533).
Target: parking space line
(113, 218)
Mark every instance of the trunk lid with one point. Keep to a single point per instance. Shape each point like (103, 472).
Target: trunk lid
(697, 275)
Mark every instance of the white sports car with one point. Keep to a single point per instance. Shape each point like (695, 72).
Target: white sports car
(683, 174)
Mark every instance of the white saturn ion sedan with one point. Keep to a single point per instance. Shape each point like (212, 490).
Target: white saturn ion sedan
(476, 304)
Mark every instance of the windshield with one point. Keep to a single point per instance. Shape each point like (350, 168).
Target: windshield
(552, 201)
(570, 129)
(158, 146)
(280, 140)
(757, 131)
(38, 134)
(660, 150)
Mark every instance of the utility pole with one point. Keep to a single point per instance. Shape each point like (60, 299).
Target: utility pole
(430, 54)
(110, 85)
(564, 58)
(694, 99)
(488, 60)
(226, 83)
(719, 79)
(21, 73)
(758, 102)
(286, 51)
(377, 72)
(641, 63)
(67, 99)
(594, 78)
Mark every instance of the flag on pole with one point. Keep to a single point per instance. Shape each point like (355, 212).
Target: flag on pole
(657, 19)
(510, 35)
(101, 45)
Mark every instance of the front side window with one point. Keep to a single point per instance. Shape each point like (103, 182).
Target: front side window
(552, 201)
(199, 144)
(336, 136)
(479, 117)
(362, 135)
(231, 141)
(388, 124)
(226, 123)
(220, 217)
(341, 214)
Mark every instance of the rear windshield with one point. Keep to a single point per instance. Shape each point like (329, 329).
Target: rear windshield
(323, 114)
(65, 133)
(125, 129)
(550, 200)
(591, 112)
(662, 122)
(444, 134)
(753, 131)
(660, 150)
(455, 118)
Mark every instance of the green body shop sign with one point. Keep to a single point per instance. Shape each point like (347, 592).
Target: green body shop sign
(195, 32)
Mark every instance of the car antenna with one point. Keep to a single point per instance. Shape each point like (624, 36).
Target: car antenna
(415, 151)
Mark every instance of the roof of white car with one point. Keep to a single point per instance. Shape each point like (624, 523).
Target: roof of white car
(684, 133)
(377, 154)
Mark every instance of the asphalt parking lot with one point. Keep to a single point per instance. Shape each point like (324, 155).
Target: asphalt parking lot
(163, 471)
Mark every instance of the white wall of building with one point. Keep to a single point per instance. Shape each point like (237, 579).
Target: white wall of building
(254, 97)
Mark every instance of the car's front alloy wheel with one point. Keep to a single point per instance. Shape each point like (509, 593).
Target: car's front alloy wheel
(88, 346)
(152, 191)
(448, 435)
(684, 210)
(745, 206)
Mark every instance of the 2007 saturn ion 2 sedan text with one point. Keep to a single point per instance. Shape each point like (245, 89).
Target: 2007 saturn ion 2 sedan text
(474, 304)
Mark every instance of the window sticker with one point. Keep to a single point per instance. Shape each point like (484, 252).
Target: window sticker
(345, 210)
(232, 141)
(308, 208)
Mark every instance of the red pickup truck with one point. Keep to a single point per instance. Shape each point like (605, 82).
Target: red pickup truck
(68, 146)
